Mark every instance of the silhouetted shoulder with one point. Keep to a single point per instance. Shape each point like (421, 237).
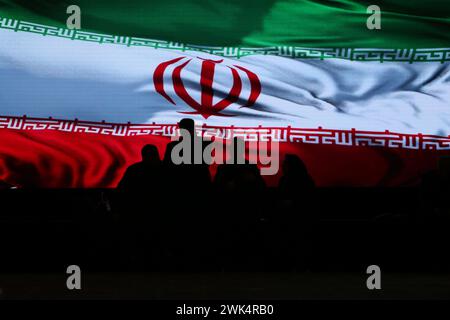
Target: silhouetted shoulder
(129, 176)
(144, 174)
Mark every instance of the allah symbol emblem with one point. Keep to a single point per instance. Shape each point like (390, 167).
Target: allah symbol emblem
(206, 107)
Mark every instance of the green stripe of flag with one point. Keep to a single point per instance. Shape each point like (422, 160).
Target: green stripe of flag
(319, 23)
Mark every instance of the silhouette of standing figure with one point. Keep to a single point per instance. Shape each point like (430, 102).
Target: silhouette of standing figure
(240, 176)
(191, 176)
(299, 210)
(295, 177)
(143, 175)
(243, 187)
(189, 183)
(138, 210)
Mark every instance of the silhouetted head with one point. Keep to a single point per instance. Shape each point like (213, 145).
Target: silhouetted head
(187, 124)
(293, 165)
(150, 154)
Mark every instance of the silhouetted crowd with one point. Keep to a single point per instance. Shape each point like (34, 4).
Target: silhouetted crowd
(185, 213)
(170, 217)
(165, 196)
(239, 176)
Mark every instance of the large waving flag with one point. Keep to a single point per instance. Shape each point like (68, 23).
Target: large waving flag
(361, 107)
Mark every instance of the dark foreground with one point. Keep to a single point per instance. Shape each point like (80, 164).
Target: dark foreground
(227, 286)
(203, 245)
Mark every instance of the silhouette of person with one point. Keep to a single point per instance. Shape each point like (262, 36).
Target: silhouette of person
(240, 175)
(186, 124)
(195, 176)
(190, 181)
(244, 187)
(144, 174)
(138, 207)
(295, 177)
(299, 205)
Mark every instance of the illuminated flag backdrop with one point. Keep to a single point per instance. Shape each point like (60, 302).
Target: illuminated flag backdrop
(361, 107)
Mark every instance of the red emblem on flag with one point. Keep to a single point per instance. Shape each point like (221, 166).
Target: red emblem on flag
(206, 107)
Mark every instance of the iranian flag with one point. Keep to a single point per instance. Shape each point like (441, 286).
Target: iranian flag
(361, 107)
